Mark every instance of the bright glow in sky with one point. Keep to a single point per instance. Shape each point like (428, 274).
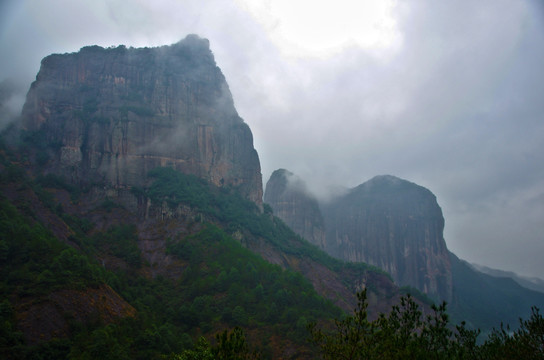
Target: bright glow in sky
(302, 28)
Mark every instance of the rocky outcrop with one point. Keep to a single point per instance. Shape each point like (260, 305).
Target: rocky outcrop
(387, 222)
(289, 198)
(395, 225)
(108, 116)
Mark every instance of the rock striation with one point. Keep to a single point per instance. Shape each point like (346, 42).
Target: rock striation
(108, 116)
(289, 198)
(395, 225)
(387, 222)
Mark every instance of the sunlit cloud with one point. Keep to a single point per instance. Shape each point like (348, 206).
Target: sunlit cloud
(303, 28)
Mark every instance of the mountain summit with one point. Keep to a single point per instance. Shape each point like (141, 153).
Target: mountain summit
(396, 225)
(387, 222)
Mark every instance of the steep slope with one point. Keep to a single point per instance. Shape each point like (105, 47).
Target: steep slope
(291, 202)
(390, 223)
(487, 300)
(108, 116)
(531, 283)
(395, 225)
(118, 284)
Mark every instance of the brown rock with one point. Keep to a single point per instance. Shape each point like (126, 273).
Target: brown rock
(108, 116)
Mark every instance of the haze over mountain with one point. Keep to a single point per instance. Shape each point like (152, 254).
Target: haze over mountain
(132, 222)
(116, 114)
(444, 94)
(131, 210)
(398, 226)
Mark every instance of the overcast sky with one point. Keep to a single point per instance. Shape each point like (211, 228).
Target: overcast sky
(447, 94)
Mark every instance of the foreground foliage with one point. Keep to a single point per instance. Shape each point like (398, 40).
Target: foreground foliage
(405, 333)
(230, 345)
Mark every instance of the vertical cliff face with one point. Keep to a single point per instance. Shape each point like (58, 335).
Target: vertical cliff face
(108, 116)
(291, 202)
(395, 225)
(387, 222)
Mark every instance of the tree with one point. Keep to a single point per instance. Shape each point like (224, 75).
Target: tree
(231, 345)
(402, 334)
(527, 342)
(352, 339)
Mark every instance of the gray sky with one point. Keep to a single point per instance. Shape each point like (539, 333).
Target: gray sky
(447, 94)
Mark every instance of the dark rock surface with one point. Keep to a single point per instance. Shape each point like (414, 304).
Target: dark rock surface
(291, 202)
(395, 225)
(387, 222)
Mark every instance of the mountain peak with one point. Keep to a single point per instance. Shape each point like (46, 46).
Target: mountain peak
(109, 116)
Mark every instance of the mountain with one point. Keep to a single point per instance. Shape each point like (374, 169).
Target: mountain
(132, 224)
(131, 218)
(395, 225)
(480, 299)
(388, 222)
(532, 283)
(398, 226)
(108, 116)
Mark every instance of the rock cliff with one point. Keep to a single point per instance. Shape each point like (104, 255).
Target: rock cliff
(291, 202)
(395, 225)
(108, 116)
(386, 222)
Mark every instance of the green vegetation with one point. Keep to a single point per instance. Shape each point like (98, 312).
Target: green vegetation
(231, 345)
(226, 206)
(228, 283)
(405, 333)
(223, 285)
(34, 262)
(220, 285)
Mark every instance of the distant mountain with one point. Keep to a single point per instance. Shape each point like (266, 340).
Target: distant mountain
(397, 226)
(482, 299)
(132, 222)
(532, 283)
(387, 222)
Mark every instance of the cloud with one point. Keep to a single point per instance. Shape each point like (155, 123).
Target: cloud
(454, 104)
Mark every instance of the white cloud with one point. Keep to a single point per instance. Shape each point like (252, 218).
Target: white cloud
(304, 28)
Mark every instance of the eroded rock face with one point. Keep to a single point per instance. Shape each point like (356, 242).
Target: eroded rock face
(395, 225)
(108, 116)
(291, 202)
(387, 222)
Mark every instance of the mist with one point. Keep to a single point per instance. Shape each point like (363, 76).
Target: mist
(443, 94)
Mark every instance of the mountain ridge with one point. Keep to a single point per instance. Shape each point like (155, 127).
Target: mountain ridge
(529, 282)
(370, 223)
(474, 296)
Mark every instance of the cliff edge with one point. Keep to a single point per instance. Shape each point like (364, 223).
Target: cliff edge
(109, 116)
